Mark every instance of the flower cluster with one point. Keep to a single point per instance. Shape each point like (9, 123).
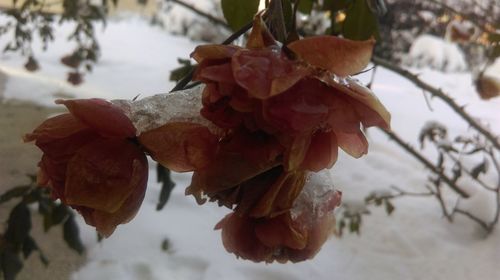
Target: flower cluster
(285, 112)
(280, 113)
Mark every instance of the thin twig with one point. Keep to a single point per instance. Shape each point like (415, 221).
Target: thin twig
(474, 218)
(439, 94)
(426, 162)
(472, 18)
(469, 172)
(201, 13)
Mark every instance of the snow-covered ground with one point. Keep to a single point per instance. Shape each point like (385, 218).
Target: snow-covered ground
(415, 243)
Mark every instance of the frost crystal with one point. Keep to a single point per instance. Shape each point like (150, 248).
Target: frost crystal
(152, 112)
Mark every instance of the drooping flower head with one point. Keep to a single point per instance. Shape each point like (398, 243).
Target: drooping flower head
(284, 111)
(303, 106)
(90, 162)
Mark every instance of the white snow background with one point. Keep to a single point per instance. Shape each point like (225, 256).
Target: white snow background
(416, 242)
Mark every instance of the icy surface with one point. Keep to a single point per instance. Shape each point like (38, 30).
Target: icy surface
(154, 111)
(314, 194)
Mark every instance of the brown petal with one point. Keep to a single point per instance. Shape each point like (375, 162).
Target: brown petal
(52, 174)
(296, 150)
(57, 127)
(238, 237)
(180, 146)
(319, 223)
(302, 108)
(342, 57)
(213, 52)
(365, 96)
(278, 232)
(106, 223)
(241, 157)
(355, 144)
(260, 37)
(216, 73)
(101, 115)
(279, 196)
(322, 152)
(265, 73)
(103, 174)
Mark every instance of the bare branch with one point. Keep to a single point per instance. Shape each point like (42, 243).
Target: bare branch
(441, 95)
(426, 162)
(201, 13)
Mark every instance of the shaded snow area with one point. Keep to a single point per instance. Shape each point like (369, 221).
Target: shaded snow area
(415, 243)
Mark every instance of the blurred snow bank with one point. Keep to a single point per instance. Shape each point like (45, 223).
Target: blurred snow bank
(435, 53)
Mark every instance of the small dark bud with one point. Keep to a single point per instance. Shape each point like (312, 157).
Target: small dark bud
(32, 64)
(75, 78)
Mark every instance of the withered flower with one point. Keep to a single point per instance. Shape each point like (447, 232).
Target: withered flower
(304, 103)
(91, 164)
(294, 235)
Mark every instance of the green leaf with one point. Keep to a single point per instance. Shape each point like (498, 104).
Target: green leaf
(18, 225)
(239, 12)
(167, 186)
(10, 263)
(354, 226)
(14, 193)
(305, 6)
(360, 23)
(287, 14)
(59, 214)
(182, 71)
(342, 225)
(71, 235)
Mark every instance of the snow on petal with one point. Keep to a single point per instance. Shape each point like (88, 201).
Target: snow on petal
(340, 56)
(108, 119)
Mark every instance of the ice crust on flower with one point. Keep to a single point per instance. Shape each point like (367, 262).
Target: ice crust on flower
(157, 110)
(316, 189)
